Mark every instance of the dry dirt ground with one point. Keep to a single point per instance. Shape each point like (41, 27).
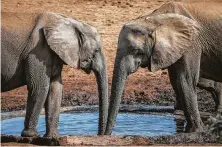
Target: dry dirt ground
(107, 16)
(183, 139)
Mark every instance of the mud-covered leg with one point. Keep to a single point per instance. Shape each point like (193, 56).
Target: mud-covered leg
(186, 78)
(37, 76)
(177, 106)
(218, 93)
(52, 107)
(215, 88)
(215, 124)
(216, 96)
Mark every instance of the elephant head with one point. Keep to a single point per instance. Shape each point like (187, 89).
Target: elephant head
(78, 45)
(155, 42)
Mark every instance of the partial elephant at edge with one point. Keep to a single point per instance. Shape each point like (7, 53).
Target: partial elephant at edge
(182, 37)
(34, 49)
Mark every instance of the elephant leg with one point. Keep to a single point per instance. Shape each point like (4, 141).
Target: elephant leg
(215, 96)
(38, 80)
(191, 112)
(215, 88)
(52, 107)
(186, 77)
(218, 94)
(178, 105)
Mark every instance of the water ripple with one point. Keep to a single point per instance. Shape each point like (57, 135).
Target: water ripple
(86, 124)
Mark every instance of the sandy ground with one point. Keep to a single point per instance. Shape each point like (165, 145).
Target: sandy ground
(200, 139)
(107, 16)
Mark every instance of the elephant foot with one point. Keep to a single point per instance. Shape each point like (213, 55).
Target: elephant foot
(190, 129)
(54, 134)
(100, 133)
(30, 133)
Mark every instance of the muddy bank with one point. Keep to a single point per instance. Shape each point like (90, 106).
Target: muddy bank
(94, 108)
(79, 98)
(202, 139)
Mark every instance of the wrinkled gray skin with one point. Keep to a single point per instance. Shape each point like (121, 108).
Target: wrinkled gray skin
(185, 39)
(215, 88)
(34, 48)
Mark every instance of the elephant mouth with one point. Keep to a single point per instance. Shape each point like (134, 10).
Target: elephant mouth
(86, 70)
(143, 66)
(132, 71)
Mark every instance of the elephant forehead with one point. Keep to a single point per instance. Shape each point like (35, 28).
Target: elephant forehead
(136, 40)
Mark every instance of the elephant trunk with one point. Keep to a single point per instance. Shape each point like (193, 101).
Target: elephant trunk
(102, 83)
(118, 82)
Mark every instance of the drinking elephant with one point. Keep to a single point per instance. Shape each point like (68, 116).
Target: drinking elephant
(34, 49)
(185, 39)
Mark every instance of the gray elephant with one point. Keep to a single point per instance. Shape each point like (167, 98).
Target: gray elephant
(34, 49)
(185, 39)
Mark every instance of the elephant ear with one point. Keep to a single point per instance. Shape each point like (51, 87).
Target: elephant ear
(64, 39)
(173, 36)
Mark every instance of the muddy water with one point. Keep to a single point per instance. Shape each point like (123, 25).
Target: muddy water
(86, 124)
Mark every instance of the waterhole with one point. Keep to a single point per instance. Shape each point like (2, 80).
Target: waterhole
(79, 124)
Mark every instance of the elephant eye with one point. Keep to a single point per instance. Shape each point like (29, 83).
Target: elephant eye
(96, 51)
(138, 32)
(137, 52)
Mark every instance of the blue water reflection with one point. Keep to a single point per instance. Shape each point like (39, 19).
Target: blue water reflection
(86, 124)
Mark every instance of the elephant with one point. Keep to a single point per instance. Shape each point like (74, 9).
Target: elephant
(34, 49)
(215, 88)
(181, 37)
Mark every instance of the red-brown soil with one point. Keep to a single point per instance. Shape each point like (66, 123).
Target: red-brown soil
(183, 139)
